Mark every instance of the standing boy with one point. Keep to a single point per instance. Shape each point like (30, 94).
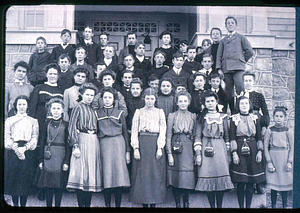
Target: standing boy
(141, 61)
(65, 79)
(190, 65)
(233, 53)
(129, 49)
(159, 68)
(215, 35)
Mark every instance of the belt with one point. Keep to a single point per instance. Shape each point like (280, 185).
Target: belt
(149, 133)
(57, 144)
(91, 132)
(278, 148)
(245, 139)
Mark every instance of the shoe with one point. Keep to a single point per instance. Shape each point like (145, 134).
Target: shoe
(41, 195)
(186, 205)
(178, 205)
(259, 189)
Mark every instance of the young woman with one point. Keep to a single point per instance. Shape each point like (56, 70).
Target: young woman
(85, 167)
(179, 147)
(148, 139)
(21, 135)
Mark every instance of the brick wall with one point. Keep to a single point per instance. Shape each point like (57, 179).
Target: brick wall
(275, 74)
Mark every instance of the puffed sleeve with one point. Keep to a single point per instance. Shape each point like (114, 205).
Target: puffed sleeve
(267, 138)
(290, 137)
(198, 136)
(161, 141)
(73, 134)
(169, 133)
(8, 141)
(67, 103)
(96, 101)
(135, 130)
(31, 145)
(125, 132)
(232, 136)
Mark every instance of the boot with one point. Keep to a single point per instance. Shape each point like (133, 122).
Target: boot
(185, 197)
(152, 205)
(145, 205)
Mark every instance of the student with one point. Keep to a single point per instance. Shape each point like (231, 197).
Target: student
(214, 80)
(183, 45)
(109, 60)
(55, 153)
(177, 74)
(114, 147)
(233, 53)
(141, 61)
(80, 55)
(85, 167)
(65, 79)
(19, 87)
(153, 82)
(129, 49)
(180, 169)
(125, 87)
(64, 47)
(211, 146)
(108, 78)
(166, 99)
(71, 95)
(104, 41)
(166, 38)
(93, 50)
(279, 152)
(99, 67)
(180, 87)
(21, 135)
(197, 102)
(148, 139)
(190, 65)
(159, 68)
(215, 35)
(206, 43)
(246, 148)
(37, 63)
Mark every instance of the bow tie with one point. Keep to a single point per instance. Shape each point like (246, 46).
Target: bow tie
(65, 44)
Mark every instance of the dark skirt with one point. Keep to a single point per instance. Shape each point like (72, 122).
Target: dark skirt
(148, 178)
(248, 170)
(19, 174)
(181, 175)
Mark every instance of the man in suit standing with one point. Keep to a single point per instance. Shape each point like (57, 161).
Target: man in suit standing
(129, 49)
(233, 53)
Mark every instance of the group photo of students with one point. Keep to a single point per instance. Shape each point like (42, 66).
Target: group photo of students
(86, 120)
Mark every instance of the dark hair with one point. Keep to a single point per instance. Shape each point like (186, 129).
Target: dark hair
(191, 47)
(197, 48)
(282, 109)
(109, 45)
(41, 38)
(55, 100)
(238, 104)
(63, 56)
(86, 86)
(166, 33)
(52, 66)
(150, 91)
(194, 76)
(206, 94)
(99, 63)
(136, 81)
(111, 90)
(177, 55)
(167, 79)
(82, 70)
(21, 64)
(128, 55)
(160, 52)
(206, 40)
(127, 71)
(216, 28)
(184, 42)
(81, 47)
(185, 93)
(107, 72)
(131, 33)
(215, 75)
(248, 73)
(181, 85)
(104, 33)
(138, 43)
(64, 31)
(87, 26)
(206, 55)
(153, 77)
(230, 17)
(18, 98)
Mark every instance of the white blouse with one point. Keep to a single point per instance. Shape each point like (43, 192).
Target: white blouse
(149, 120)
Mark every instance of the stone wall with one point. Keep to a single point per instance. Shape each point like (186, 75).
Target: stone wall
(275, 74)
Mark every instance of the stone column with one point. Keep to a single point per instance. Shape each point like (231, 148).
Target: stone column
(260, 21)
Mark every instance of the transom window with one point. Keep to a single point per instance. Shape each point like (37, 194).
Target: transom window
(173, 27)
(34, 18)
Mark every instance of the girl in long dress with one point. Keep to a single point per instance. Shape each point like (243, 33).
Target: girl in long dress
(21, 135)
(211, 146)
(180, 169)
(85, 167)
(148, 139)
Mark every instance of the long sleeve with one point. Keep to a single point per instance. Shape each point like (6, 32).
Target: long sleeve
(135, 129)
(264, 108)
(248, 51)
(34, 99)
(161, 141)
(169, 133)
(6, 102)
(125, 132)
(67, 104)
(96, 101)
(122, 104)
(42, 142)
(30, 63)
(226, 129)
(8, 141)
(68, 149)
(232, 136)
(52, 56)
(219, 55)
(291, 145)
(198, 136)
(266, 143)
(258, 135)
(73, 134)
(31, 145)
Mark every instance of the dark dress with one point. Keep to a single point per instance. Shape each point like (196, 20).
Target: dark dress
(59, 50)
(246, 129)
(52, 175)
(133, 103)
(197, 101)
(166, 103)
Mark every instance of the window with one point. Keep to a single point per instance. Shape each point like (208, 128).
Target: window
(173, 27)
(175, 43)
(79, 25)
(34, 18)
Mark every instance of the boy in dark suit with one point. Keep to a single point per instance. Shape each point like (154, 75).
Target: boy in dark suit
(65, 79)
(159, 68)
(141, 61)
(233, 53)
(190, 65)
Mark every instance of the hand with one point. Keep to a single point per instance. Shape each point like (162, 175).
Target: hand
(271, 167)
(263, 130)
(171, 160)
(22, 150)
(228, 146)
(289, 167)
(198, 160)
(76, 152)
(136, 154)
(258, 156)
(235, 158)
(65, 167)
(158, 154)
(127, 157)
(221, 72)
(20, 155)
(41, 166)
